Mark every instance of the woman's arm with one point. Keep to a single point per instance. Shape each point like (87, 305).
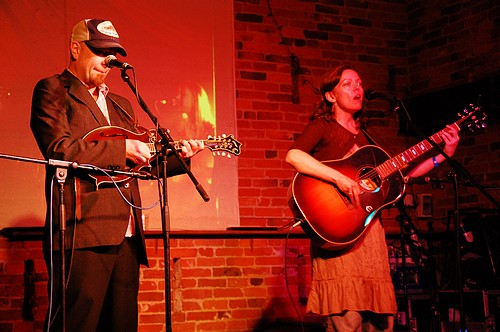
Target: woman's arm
(306, 164)
(451, 138)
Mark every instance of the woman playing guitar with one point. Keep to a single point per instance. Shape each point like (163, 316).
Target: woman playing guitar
(351, 284)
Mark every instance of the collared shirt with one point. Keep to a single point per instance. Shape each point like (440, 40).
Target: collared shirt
(101, 100)
(102, 92)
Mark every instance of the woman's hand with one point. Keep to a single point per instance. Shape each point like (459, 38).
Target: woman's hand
(349, 187)
(451, 138)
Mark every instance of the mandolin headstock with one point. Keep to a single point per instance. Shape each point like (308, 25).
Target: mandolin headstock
(225, 145)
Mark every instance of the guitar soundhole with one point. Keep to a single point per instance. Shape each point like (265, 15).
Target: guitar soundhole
(369, 179)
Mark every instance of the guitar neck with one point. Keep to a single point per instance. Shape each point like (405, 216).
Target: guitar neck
(176, 144)
(403, 159)
(227, 144)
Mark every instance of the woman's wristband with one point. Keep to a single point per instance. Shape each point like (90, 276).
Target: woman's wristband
(435, 162)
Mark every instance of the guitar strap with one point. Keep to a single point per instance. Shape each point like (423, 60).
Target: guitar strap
(372, 140)
(132, 119)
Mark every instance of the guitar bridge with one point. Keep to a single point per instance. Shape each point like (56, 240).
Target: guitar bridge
(369, 184)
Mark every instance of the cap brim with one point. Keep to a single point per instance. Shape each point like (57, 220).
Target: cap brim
(99, 44)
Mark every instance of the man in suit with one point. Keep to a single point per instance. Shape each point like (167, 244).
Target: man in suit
(104, 236)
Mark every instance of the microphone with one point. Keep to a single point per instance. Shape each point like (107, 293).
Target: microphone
(112, 61)
(371, 94)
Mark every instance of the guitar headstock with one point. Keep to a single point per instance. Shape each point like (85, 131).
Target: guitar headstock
(472, 117)
(224, 143)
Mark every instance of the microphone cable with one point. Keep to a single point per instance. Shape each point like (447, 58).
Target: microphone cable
(294, 224)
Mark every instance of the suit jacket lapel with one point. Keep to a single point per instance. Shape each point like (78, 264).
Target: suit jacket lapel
(78, 91)
(113, 116)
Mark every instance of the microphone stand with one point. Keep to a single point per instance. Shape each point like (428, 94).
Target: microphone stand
(434, 312)
(61, 173)
(404, 274)
(167, 146)
(457, 170)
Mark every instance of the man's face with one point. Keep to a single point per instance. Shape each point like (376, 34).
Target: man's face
(88, 64)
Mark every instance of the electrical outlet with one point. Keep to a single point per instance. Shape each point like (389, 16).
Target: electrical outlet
(424, 205)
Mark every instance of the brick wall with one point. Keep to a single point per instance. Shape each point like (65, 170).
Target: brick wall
(453, 44)
(282, 50)
(405, 49)
(218, 283)
(223, 282)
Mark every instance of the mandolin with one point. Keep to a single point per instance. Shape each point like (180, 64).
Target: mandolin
(225, 145)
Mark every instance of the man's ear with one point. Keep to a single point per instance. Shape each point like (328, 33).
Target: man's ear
(330, 97)
(74, 50)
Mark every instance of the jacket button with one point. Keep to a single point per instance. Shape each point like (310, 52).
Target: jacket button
(127, 185)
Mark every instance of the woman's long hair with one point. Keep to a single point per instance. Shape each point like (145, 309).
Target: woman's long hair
(330, 80)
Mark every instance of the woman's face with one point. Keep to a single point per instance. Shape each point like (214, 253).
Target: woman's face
(348, 93)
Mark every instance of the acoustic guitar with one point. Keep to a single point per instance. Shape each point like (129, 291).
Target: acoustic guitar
(225, 145)
(327, 215)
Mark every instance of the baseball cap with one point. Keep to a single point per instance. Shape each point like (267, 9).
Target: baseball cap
(97, 34)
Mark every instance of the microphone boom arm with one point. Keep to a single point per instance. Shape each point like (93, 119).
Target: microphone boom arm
(165, 137)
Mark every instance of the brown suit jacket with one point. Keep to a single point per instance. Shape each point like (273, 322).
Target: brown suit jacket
(63, 112)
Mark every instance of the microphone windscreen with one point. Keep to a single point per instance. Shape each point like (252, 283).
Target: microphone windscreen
(370, 94)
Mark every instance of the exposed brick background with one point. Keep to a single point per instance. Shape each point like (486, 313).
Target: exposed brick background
(222, 282)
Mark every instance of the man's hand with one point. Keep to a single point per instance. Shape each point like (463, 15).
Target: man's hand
(136, 151)
(191, 147)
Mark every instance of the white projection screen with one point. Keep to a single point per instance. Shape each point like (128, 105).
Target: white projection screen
(183, 56)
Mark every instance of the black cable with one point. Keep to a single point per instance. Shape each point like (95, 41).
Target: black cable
(301, 320)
